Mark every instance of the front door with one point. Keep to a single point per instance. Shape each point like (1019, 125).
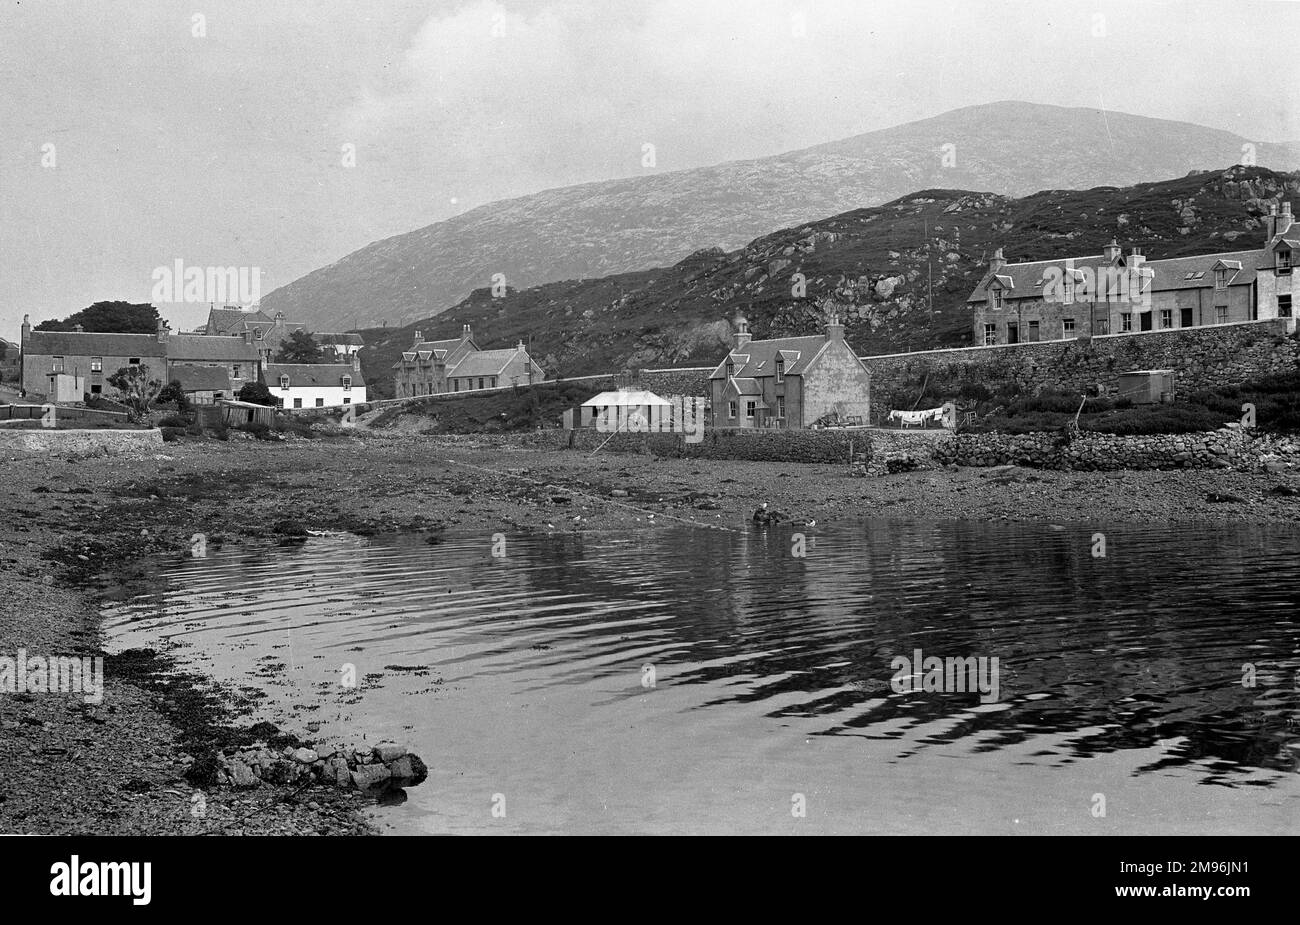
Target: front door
(1184, 317)
(1013, 333)
(1144, 322)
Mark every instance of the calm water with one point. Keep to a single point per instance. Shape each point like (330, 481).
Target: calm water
(525, 680)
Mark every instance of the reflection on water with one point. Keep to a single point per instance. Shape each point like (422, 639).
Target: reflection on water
(693, 680)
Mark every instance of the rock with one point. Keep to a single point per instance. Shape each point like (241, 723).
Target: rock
(367, 776)
(387, 752)
(305, 756)
(241, 775)
(408, 771)
(1224, 498)
(618, 493)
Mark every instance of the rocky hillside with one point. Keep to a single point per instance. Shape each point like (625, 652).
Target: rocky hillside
(596, 229)
(899, 274)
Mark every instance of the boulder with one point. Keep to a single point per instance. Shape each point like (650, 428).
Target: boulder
(368, 776)
(387, 752)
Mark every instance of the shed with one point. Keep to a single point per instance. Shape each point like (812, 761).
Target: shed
(241, 413)
(1147, 386)
(620, 405)
(66, 387)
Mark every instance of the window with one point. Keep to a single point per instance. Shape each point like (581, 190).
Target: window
(96, 364)
(1126, 321)
(480, 382)
(492, 383)
(1033, 332)
(455, 385)
(347, 401)
(96, 389)
(1067, 327)
(1103, 325)
(731, 369)
(780, 406)
(990, 334)
(1284, 259)
(780, 369)
(1220, 279)
(320, 403)
(731, 410)
(297, 402)
(284, 383)
(347, 383)
(1220, 314)
(1166, 317)
(134, 361)
(56, 364)
(236, 371)
(750, 408)
(997, 298)
(1284, 306)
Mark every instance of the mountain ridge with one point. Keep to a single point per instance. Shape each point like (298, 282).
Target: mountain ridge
(603, 227)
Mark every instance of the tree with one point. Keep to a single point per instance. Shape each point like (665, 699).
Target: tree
(136, 387)
(299, 347)
(174, 392)
(256, 393)
(109, 318)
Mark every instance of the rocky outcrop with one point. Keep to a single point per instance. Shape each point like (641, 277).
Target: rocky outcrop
(383, 767)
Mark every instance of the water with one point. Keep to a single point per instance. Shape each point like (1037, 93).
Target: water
(705, 681)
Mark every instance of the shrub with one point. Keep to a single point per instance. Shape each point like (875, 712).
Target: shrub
(175, 421)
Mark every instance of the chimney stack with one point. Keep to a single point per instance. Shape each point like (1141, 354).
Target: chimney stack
(741, 336)
(419, 336)
(356, 362)
(1136, 259)
(1284, 220)
(162, 331)
(79, 329)
(998, 261)
(465, 333)
(27, 328)
(834, 329)
(1112, 251)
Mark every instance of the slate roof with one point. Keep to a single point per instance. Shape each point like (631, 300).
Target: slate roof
(1025, 280)
(229, 320)
(211, 347)
(483, 363)
(201, 378)
(322, 375)
(73, 343)
(758, 357)
(350, 340)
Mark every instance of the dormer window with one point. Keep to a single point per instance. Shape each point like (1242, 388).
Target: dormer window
(997, 298)
(731, 369)
(1284, 258)
(1220, 279)
(780, 369)
(347, 383)
(284, 383)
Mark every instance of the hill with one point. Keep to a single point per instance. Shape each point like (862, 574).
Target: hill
(899, 274)
(596, 229)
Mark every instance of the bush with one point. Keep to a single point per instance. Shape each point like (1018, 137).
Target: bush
(175, 421)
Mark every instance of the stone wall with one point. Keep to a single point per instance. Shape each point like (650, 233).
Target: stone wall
(809, 446)
(1201, 357)
(685, 381)
(53, 442)
(1230, 448)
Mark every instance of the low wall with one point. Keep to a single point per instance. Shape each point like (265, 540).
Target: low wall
(1234, 448)
(1202, 358)
(53, 442)
(805, 446)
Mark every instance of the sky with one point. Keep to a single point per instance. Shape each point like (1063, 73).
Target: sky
(280, 136)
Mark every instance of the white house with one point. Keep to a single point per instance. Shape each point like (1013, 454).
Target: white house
(315, 385)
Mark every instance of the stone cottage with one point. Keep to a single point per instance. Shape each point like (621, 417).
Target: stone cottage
(791, 382)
